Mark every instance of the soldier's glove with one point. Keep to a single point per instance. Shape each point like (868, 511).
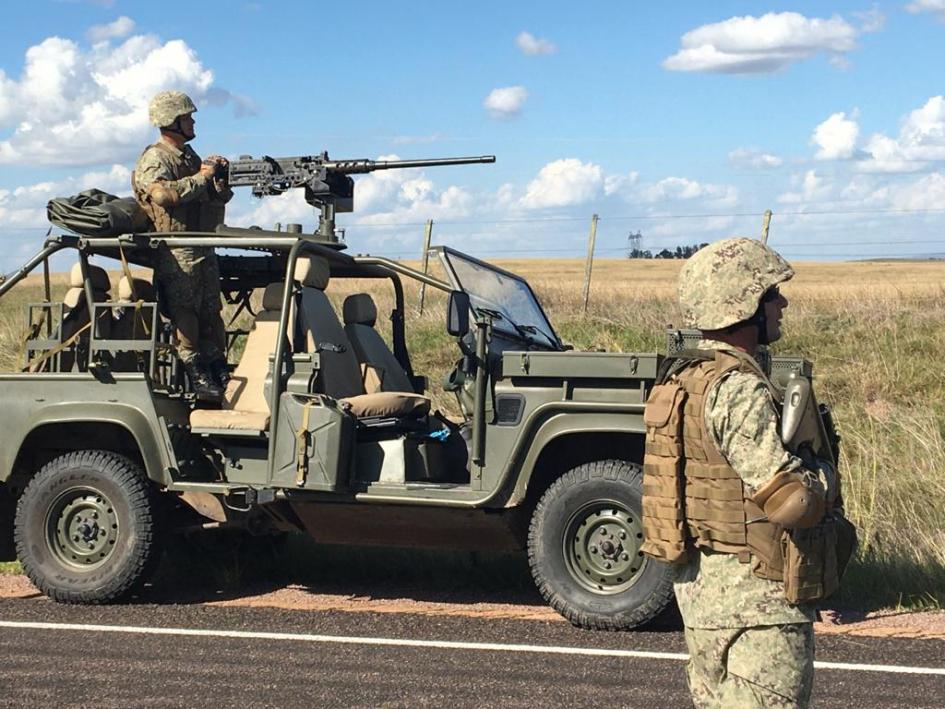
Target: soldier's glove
(787, 500)
(220, 174)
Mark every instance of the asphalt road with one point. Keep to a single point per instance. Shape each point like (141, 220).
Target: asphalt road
(326, 659)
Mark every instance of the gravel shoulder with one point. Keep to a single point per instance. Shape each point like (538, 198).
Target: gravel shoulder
(881, 624)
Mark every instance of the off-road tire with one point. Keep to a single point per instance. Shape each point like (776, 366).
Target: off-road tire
(87, 528)
(603, 498)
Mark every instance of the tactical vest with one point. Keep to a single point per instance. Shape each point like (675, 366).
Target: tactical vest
(692, 498)
(183, 217)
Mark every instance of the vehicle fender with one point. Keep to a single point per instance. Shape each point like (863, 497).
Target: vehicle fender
(551, 427)
(153, 447)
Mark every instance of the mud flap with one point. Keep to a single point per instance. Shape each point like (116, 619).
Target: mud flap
(7, 510)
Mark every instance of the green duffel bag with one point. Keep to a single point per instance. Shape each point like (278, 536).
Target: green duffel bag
(97, 213)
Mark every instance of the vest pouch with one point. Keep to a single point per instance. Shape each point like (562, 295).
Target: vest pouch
(664, 517)
(815, 558)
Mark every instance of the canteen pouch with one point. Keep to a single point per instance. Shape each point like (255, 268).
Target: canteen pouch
(664, 513)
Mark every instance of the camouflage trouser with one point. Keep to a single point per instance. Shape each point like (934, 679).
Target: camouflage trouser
(763, 666)
(189, 283)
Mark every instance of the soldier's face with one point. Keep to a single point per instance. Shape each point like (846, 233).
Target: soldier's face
(187, 126)
(774, 303)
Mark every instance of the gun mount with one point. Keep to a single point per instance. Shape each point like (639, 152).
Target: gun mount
(326, 182)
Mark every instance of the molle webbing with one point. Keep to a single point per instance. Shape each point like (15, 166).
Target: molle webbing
(692, 498)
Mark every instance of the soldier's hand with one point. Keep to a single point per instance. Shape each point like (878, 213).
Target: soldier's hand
(208, 169)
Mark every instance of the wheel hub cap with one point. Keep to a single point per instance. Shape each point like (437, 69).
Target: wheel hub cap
(82, 528)
(602, 547)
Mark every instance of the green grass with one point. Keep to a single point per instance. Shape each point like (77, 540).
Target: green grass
(875, 333)
(10, 567)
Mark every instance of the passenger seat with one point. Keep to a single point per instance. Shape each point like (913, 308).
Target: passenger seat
(76, 314)
(381, 370)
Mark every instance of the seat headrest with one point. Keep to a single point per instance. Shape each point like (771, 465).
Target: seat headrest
(272, 297)
(75, 297)
(143, 290)
(312, 272)
(359, 309)
(96, 273)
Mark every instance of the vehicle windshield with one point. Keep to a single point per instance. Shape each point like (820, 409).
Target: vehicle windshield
(507, 297)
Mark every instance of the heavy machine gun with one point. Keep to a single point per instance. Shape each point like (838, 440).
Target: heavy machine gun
(327, 183)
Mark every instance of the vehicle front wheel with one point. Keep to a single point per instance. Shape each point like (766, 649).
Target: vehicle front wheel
(584, 549)
(86, 528)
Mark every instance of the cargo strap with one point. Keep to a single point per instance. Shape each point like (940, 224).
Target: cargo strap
(303, 437)
(138, 317)
(37, 363)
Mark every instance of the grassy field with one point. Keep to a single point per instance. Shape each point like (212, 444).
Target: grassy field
(875, 331)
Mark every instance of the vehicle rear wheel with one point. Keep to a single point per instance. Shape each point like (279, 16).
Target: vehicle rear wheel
(86, 528)
(584, 549)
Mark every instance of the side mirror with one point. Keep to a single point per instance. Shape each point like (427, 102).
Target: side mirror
(457, 314)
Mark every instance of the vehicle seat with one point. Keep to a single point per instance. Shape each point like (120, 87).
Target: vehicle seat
(380, 369)
(340, 372)
(76, 314)
(244, 402)
(128, 321)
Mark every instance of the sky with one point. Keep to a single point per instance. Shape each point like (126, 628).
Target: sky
(681, 122)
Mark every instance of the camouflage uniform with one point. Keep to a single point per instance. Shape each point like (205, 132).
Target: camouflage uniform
(188, 277)
(748, 646)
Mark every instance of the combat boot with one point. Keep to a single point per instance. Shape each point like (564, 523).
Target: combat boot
(220, 371)
(204, 387)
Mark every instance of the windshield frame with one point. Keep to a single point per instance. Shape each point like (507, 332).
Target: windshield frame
(505, 324)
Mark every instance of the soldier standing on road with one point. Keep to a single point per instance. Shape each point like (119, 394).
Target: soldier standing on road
(720, 488)
(181, 193)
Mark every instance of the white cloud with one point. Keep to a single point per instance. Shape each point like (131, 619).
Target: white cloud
(812, 188)
(683, 189)
(836, 137)
(745, 45)
(506, 102)
(562, 183)
(936, 7)
(122, 27)
(920, 144)
(927, 192)
(752, 159)
(532, 45)
(76, 106)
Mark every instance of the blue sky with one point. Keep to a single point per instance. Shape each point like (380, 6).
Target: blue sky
(682, 121)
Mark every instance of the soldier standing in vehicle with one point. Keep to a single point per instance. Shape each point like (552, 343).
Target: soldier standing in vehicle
(720, 488)
(181, 193)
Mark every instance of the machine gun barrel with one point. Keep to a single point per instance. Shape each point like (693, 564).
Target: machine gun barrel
(354, 167)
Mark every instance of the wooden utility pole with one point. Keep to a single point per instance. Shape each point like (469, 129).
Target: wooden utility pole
(425, 259)
(592, 237)
(764, 226)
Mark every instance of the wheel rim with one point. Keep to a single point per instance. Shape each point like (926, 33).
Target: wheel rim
(602, 547)
(82, 528)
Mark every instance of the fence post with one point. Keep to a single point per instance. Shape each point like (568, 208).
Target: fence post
(592, 237)
(425, 259)
(764, 226)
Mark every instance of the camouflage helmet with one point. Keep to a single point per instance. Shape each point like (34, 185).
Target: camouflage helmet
(722, 284)
(167, 106)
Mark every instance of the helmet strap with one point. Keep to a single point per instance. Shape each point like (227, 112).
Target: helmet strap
(760, 320)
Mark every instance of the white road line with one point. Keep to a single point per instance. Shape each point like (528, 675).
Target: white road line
(441, 644)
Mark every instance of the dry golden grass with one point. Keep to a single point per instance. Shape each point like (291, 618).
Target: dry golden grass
(875, 331)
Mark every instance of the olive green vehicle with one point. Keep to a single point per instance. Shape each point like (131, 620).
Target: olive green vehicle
(104, 452)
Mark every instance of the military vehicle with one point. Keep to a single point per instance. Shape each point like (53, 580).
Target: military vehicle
(324, 429)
